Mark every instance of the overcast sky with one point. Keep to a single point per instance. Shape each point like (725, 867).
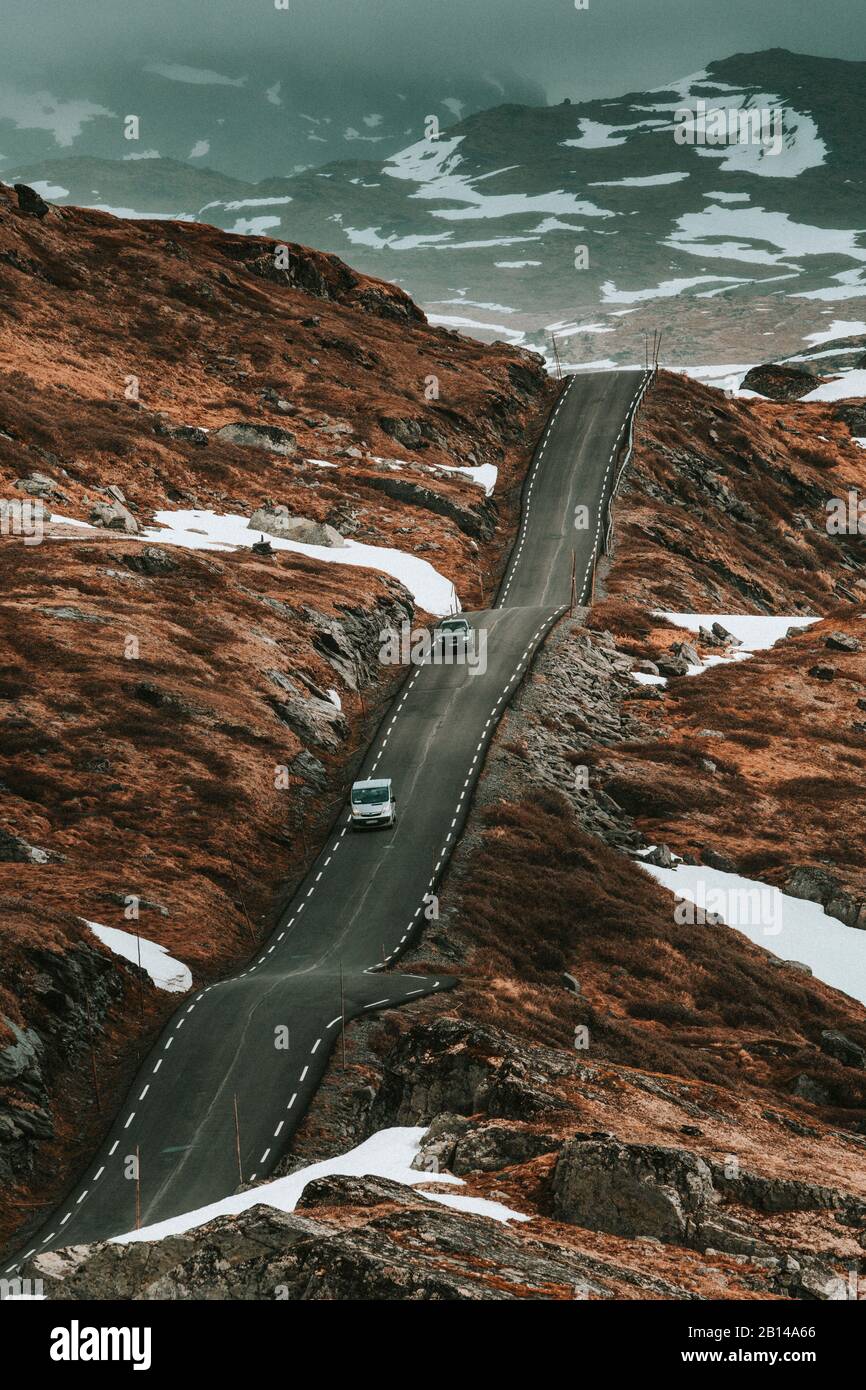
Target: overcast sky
(611, 47)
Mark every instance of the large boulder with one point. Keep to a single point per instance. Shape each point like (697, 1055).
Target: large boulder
(843, 642)
(29, 201)
(633, 1189)
(270, 437)
(14, 850)
(114, 516)
(780, 383)
(854, 416)
(278, 522)
(849, 1053)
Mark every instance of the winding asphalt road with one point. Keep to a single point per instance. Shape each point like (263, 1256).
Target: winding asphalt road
(263, 1038)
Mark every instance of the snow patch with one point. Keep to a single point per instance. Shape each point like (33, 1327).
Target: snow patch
(202, 530)
(166, 972)
(799, 930)
(387, 1154)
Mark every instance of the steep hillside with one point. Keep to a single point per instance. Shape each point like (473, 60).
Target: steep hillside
(180, 713)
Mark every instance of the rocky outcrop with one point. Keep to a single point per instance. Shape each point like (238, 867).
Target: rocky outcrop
(30, 201)
(680, 1198)
(457, 1068)
(152, 561)
(311, 718)
(843, 642)
(278, 522)
(461, 1145)
(114, 516)
(477, 521)
(69, 997)
(248, 436)
(818, 885)
(780, 383)
(15, 850)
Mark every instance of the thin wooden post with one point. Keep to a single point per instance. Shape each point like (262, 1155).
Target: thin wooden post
(93, 1070)
(140, 979)
(342, 1017)
(238, 1140)
(241, 896)
(137, 1188)
(573, 581)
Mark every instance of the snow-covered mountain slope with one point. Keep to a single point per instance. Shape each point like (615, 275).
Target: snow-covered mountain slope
(591, 220)
(275, 119)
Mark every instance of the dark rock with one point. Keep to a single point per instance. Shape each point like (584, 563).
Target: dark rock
(14, 850)
(21, 1060)
(854, 416)
(459, 1068)
(688, 652)
(278, 402)
(114, 516)
(823, 673)
(849, 1053)
(38, 485)
(407, 431)
(807, 1088)
(460, 1145)
(311, 718)
(673, 664)
(270, 437)
(168, 700)
(477, 521)
(817, 885)
(310, 769)
(151, 560)
(66, 612)
(187, 434)
(842, 642)
(30, 202)
(714, 860)
(659, 855)
(633, 1190)
(780, 383)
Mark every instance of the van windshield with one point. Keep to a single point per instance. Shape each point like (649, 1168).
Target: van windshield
(370, 796)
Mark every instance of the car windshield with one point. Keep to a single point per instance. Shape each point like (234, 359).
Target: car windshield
(369, 796)
(458, 626)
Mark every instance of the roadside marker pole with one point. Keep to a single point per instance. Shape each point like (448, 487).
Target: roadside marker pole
(238, 1140)
(360, 687)
(573, 581)
(93, 1071)
(342, 1017)
(140, 979)
(241, 896)
(137, 1188)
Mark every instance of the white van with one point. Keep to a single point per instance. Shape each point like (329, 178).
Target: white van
(372, 803)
